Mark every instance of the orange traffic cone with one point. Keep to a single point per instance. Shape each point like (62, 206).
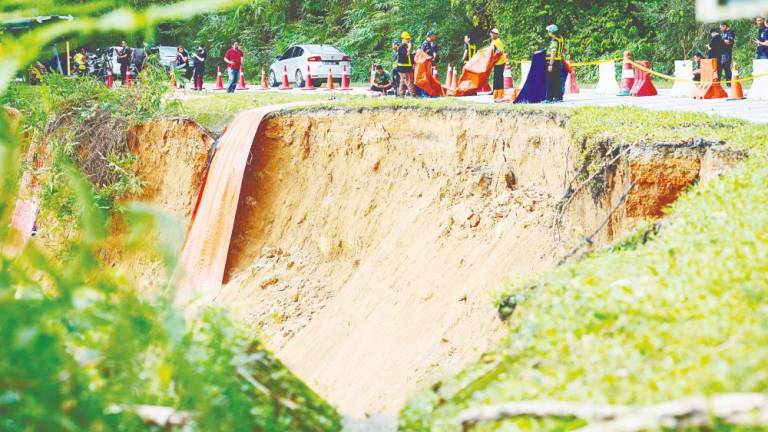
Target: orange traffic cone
(242, 85)
(627, 76)
(128, 77)
(329, 85)
(345, 80)
(455, 78)
(285, 85)
(448, 76)
(571, 86)
(264, 85)
(110, 81)
(173, 79)
(309, 83)
(736, 91)
(373, 74)
(219, 82)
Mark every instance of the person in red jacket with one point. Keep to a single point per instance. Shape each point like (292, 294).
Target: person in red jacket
(234, 59)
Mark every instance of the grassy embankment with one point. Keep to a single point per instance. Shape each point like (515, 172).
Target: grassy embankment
(681, 314)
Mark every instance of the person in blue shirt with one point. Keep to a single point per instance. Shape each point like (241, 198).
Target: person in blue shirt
(430, 46)
(729, 37)
(762, 38)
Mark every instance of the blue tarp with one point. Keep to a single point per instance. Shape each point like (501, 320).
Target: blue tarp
(535, 88)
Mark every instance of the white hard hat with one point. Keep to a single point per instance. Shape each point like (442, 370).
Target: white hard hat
(495, 30)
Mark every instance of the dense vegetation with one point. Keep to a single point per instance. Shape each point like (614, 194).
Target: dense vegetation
(668, 314)
(81, 350)
(658, 30)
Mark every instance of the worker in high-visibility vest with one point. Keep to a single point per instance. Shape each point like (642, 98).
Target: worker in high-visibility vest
(81, 62)
(405, 65)
(498, 68)
(555, 54)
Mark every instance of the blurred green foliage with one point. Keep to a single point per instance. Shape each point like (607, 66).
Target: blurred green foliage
(80, 348)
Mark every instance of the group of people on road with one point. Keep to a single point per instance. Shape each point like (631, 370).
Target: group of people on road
(401, 82)
(720, 48)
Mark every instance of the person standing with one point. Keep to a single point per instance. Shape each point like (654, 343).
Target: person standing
(81, 62)
(234, 60)
(555, 66)
(430, 46)
(405, 66)
(762, 39)
(716, 49)
(124, 55)
(395, 73)
(198, 62)
(182, 64)
(470, 49)
(729, 37)
(498, 68)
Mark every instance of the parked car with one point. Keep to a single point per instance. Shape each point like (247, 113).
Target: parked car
(319, 58)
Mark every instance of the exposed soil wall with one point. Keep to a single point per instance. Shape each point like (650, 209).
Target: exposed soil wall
(367, 245)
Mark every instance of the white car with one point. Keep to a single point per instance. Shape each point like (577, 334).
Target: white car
(321, 59)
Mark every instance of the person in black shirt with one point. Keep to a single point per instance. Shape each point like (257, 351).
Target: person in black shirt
(198, 62)
(716, 48)
(395, 72)
(124, 56)
(729, 37)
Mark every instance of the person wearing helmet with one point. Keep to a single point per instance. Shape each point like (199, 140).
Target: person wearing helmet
(430, 46)
(405, 65)
(555, 67)
(498, 68)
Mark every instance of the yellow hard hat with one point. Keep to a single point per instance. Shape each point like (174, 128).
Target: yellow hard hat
(405, 35)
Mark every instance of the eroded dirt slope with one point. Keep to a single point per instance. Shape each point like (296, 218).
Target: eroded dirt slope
(367, 245)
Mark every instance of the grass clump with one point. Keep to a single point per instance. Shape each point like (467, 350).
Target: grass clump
(664, 315)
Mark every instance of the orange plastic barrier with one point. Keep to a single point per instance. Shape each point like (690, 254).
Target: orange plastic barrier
(476, 72)
(710, 82)
(643, 84)
(425, 78)
(204, 255)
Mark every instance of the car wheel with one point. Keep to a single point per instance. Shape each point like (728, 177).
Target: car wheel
(272, 79)
(299, 79)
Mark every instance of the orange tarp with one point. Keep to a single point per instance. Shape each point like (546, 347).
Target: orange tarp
(425, 78)
(476, 72)
(204, 256)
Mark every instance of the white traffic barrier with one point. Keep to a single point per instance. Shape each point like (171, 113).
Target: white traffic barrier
(759, 89)
(606, 83)
(684, 71)
(525, 67)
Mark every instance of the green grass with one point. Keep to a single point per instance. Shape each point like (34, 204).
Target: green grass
(683, 314)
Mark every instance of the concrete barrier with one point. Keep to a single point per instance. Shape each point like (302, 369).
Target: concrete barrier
(607, 84)
(759, 89)
(525, 67)
(684, 71)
